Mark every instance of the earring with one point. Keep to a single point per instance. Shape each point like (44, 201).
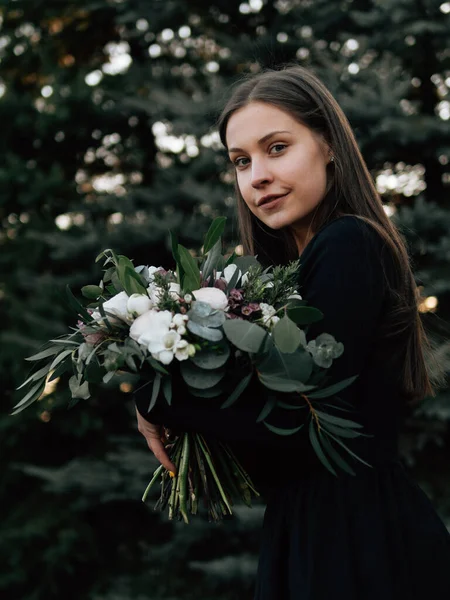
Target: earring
(331, 159)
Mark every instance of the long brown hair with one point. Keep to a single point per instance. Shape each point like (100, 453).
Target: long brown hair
(301, 94)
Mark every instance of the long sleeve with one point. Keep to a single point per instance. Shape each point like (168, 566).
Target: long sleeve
(341, 274)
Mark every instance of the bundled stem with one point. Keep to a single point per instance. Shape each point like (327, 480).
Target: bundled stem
(207, 470)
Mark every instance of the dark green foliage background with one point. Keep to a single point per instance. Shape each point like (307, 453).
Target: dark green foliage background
(73, 525)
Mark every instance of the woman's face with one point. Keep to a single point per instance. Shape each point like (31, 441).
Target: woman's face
(280, 166)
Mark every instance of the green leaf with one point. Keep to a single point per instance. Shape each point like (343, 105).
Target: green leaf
(176, 256)
(280, 430)
(91, 291)
(129, 279)
(333, 389)
(59, 358)
(31, 397)
(207, 333)
(155, 391)
(108, 376)
(279, 384)
(267, 408)
(237, 391)
(77, 307)
(157, 365)
(337, 420)
(191, 280)
(211, 392)
(212, 358)
(233, 281)
(200, 378)
(246, 336)
(318, 449)
(296, 366)
(231, 259)
(77, 389)
(288, 406)
(341, 443)
(35, 376)
(167, 389)
(62, 368)
(212, 261)
(341, 432)
(304, 315)
(286, 335)
(335, 456)
(244, 263)
(215, 232)
(45, 353)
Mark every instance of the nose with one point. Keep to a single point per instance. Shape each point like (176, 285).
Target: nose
(261, 174)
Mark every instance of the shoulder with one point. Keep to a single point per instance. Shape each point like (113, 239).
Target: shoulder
(346, 234)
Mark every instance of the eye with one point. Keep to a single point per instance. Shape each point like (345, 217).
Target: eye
(278, 147)
(238, 162)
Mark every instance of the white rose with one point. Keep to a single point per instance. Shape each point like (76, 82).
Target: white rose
(212, 296)
(138, 304)
(150, 330)
(152, 271)
(117, 305)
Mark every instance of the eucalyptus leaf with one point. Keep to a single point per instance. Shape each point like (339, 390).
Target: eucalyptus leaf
(237, 391)
(244, 263)
(60, 357)
(287, 336)
(207, 333)
(200, 378)
(157, 365)
(341, 443)
(60, 370)
(31, 397)
(212, 359)
(36, 375)
(212, 392)
(214, 233)
(341, 432)
(333, 389)
(79, 390)
(108, 376)
(246, 336)
(77, 306)
(281, 384)
(297, 365)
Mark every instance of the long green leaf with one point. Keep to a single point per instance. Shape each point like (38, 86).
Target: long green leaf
(337, 420)
(278, 384)
(35, 376)
(267, 408)
(318, 448)
(45, 353)
(212, 261)
(29, 398)
(155, 391)
(191, 279)
(167, 389)
(333, 389)
(237, 391)
(77, 306)
(335, 456)
(214, 233)
(341, 443)
(59, 358)
(280, 430)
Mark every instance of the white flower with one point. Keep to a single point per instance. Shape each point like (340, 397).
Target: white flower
(295, 296)
(212, 296)
(269, 284)
(179, 320)
(267, 309)
(244, 278)
(152, 271)
(229, 271)
(181, 330)
(151, 329)
(154, 293)
(174, 290)
(138, 304)
(184, 350)
(188, 298)
(117, 305)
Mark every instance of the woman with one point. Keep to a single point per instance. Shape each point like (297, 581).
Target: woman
(303, 188)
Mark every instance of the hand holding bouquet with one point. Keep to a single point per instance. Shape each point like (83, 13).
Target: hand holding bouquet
(206, 317)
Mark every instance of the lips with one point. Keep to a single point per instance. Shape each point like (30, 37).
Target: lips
(269, 198)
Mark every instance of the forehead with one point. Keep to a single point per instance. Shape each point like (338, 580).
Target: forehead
(255, 120)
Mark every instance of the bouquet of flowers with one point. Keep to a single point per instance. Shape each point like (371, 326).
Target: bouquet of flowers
(203, 318)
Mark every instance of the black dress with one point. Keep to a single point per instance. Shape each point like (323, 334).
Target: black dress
(372, 536)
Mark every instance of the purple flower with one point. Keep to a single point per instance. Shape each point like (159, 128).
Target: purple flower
(236, 295)
(221, 284)
(254, 306)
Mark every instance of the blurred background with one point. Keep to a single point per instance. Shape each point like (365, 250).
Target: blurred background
(107, 112)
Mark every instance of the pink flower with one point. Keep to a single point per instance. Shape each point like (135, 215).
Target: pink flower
(254, 306)
(246, 310)
(236, 295)
(94, 338)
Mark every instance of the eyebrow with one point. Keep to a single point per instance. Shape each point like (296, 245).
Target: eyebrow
(262, 140)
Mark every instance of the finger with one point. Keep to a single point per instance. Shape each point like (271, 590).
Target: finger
(161, 455)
